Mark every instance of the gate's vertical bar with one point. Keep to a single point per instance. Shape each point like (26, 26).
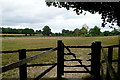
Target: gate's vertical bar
(60, 60)
(95, 63)
(22, 68)
(110, 52)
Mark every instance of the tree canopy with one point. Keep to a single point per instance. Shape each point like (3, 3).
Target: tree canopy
(110, 11)
(95, 31)
(46, 31)
(28, 31)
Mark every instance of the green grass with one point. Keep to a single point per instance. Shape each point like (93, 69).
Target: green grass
(44, 42)
(35, 43)
(30, 43)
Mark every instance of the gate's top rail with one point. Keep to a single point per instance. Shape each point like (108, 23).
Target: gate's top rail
(111, 46)
(78, 46)
(44, 49)
(91, 46)
(41, 49)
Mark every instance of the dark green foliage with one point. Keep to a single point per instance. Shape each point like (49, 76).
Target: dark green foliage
(56, 34)
(46, 31)
(66, 32)
(106, 33)
(95, 31)
(83, 30)
(38, 32)
(17, 31)
(115, 32)
(28, 31)
(76, 32)
(7, 30)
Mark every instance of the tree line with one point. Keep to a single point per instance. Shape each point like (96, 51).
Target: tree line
(46, 31)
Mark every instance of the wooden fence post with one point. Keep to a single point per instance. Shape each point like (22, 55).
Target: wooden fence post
(110, 52)
(60, 60)
(22, 68)
(95, 63)
(92, 58)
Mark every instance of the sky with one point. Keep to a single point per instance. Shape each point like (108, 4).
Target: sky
(35, 14)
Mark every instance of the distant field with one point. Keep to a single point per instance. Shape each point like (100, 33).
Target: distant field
(19, 35)
(44, 42)
(12, 34)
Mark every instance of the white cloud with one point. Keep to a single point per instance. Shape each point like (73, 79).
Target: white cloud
(35, 14)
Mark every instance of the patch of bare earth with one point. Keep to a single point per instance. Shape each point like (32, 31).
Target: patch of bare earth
(67, 76)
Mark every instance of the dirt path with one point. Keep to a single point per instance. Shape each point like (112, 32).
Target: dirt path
(76, 76)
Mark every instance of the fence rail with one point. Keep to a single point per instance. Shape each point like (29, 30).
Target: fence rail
(22, 63)
(41, 49)
(79, 46)
(110, 46)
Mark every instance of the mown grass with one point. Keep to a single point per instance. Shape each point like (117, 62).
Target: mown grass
(45, 42)
(30, 43)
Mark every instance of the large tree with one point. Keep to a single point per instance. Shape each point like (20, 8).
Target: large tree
(110, 11)
(38, 31)
(46, 31)
(115, 32)
(95, 31)
(66, 32)
(83, 30)
(76, 32)
(28, 31)
(106, 33)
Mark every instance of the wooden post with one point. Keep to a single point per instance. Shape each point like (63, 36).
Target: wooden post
(60, 60)
(92, 58)
(95, 63)
(110, 52)
(22, 68)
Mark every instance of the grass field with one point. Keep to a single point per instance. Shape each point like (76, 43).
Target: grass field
(19, 35)
(41, 42)
(44, 42)
(11, 34)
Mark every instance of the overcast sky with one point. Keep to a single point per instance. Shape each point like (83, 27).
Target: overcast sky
(35, 14)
